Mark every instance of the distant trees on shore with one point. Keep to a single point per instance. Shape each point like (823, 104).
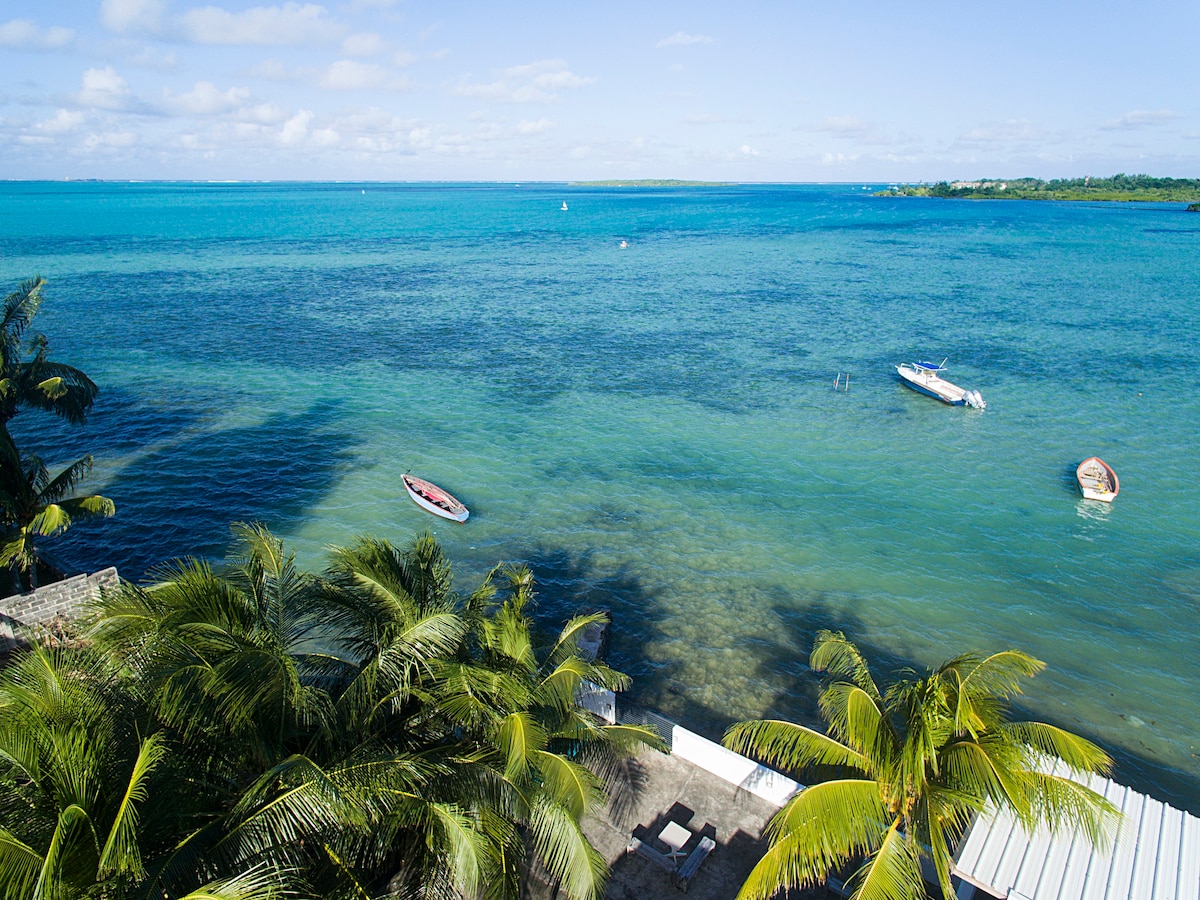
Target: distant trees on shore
(1116, 187)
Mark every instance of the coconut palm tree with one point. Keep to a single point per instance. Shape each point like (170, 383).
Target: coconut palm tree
(27, 376)
(246, 666)
(910, 766)
(91, 792)
(34, 505)
(328, 705)
(517, 711)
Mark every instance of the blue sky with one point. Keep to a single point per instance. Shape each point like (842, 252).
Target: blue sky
(736, 90)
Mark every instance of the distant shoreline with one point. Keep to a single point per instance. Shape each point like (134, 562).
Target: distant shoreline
(650, 182)
(1123, 188)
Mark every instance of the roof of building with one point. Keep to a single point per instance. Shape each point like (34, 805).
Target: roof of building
(1155, 855)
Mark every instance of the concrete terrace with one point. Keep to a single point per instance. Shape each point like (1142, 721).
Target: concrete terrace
(720, 795)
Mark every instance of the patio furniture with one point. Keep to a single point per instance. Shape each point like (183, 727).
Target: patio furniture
(691, 865)
(641, 848)
(675, 836)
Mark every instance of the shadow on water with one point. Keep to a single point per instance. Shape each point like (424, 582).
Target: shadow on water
(568, 583)
(179, 498)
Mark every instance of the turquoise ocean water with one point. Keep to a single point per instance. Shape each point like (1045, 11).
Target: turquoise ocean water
(654, 429)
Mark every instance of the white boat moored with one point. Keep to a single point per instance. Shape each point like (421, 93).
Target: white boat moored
(432, 498)
(1097, 480)
(924, 377)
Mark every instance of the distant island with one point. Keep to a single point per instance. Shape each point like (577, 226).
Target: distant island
(650, 182)
(1118, 187)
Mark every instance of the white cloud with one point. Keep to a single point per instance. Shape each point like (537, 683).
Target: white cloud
(25, 35)
(150, 58)
(64, 121)
(1012, 131)
(349, 75)
(403, 58)
(276, 70)
(325, 137)
(109, 140)
(205, 99)
(541, 126)
(747, 150)
(263, 114)
(1140, 118)
(683, 39)
(363, 44)
(849, 127)
(132, 15)
(287, 25)
(105, 89)
(296, 128)
(530, 83)
(709, 119)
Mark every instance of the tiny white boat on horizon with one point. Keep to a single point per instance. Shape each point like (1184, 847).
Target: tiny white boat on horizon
(924, 378)
(1097, 480)
(432, 498)
(564, 206)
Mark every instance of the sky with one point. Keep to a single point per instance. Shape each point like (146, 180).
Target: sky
(397, 90)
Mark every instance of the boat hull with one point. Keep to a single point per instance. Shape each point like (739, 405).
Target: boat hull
(925, 382)
(433, 499)
(1097, 480)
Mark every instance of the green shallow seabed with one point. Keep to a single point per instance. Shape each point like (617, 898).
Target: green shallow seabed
(654, 429)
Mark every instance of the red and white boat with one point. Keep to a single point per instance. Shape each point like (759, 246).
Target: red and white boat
(1097, 480)
(432, 498)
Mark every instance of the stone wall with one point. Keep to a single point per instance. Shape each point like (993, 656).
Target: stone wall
(62, 598)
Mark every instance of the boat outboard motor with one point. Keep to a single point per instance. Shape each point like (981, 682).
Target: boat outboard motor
(974, 400)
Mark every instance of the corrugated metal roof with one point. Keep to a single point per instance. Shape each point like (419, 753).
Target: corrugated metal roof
(1156, 855)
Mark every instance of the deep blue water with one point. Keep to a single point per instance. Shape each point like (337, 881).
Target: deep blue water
(654, 429)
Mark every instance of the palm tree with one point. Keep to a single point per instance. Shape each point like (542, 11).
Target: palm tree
(522, 705)
(93, 794)
(516, 714)
(339, 711)
(910, 766)
(33, 505)
(36, 381)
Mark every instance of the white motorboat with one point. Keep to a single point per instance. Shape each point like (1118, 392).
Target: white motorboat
(432, 498)
(925, 378)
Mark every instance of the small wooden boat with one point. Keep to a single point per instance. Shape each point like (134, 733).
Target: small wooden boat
(924, 378)
(1097, 480)
(432, 498)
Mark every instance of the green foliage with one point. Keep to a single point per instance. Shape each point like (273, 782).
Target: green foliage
(34, 505)
(902, 771)
(27, 376)
(1116, 187)
(256, 731)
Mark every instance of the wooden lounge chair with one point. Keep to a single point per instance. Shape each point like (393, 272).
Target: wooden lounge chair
(691, 865)
(641, 848)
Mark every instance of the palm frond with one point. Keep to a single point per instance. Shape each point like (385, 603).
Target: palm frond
(263, 882)
(20, 866)
(1048, 741)
(833, 653)
(121, 853)
(519, 737)
(842, 817)
(859, 721)
(571, 785)
(565, 851)
(893, 872)
(790, 746)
